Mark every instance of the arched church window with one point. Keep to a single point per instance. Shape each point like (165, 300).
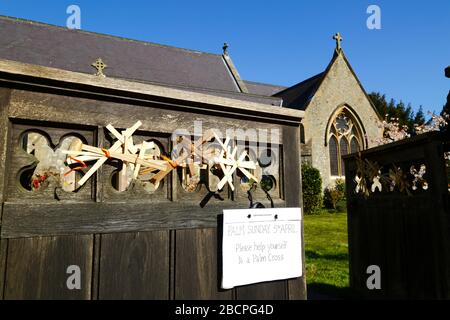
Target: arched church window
(333, 147)
(344, 137)
(354, 146)
(343, 148)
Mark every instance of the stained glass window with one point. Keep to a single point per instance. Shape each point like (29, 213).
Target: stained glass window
(343, 146)
(333, 147)
(343, 138)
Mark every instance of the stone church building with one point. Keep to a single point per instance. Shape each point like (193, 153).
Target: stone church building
(339, 117)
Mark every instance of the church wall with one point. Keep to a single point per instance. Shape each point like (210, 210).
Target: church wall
(339, 87)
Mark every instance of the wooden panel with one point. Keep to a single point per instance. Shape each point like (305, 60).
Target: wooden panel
(293, 196)
(394, 232)
(143, 92)
(36, 267)
(4, 139)
(26, 220)
(196, 265)
(358, 258)
(294, 288)
(147, 263)
(134, 265)
(263, 291)
(156, 117)
(374, 230)
(4, 100)
(3, 253)
(95, 266)
(406, 236)
(172, 234)
(292, 165)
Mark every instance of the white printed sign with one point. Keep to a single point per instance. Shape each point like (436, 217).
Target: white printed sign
(261, 245)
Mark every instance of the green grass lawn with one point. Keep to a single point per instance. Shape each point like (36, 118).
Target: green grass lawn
(326, 250)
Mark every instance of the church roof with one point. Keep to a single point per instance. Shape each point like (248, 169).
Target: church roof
(299, 95)
(263, 89)
(75, 50)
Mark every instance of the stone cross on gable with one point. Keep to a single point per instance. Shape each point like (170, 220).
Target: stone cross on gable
(338, 39)
(225, 48)
(99, 65)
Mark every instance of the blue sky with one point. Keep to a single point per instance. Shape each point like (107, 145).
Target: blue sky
(285, 42)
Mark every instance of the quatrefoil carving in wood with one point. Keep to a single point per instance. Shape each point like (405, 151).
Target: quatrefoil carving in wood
(49, 165)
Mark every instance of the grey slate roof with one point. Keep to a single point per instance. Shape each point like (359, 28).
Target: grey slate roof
(299, 95)
(75, 50)
(263, 89)
(274, 101)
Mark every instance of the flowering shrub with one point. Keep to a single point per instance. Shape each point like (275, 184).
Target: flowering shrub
(392, 131)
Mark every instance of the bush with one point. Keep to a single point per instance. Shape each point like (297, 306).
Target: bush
(312, 189)
(334, 197)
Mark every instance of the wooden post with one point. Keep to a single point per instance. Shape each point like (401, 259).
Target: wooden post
(4, 134)
(293, 197)
(4, 139)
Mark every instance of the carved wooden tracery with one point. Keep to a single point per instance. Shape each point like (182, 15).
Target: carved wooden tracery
(140, 165)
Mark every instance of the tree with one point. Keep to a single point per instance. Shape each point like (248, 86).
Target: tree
(399, 112)
(419, 119)
(379, 102)
(446, 110)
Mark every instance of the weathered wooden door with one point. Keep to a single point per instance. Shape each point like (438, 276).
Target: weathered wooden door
(141, 243)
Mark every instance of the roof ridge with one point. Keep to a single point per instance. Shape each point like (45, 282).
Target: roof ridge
(265, 83)
(105, 35)
(182, 87)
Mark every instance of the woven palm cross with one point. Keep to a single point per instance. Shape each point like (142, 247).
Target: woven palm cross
(123, 149)
(229, 163)
(192, 151)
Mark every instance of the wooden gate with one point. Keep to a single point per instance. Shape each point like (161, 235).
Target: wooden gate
(160, 242)
(399, 218)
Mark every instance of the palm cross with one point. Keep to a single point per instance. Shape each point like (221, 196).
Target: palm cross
(229, 163)
(123, 149)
